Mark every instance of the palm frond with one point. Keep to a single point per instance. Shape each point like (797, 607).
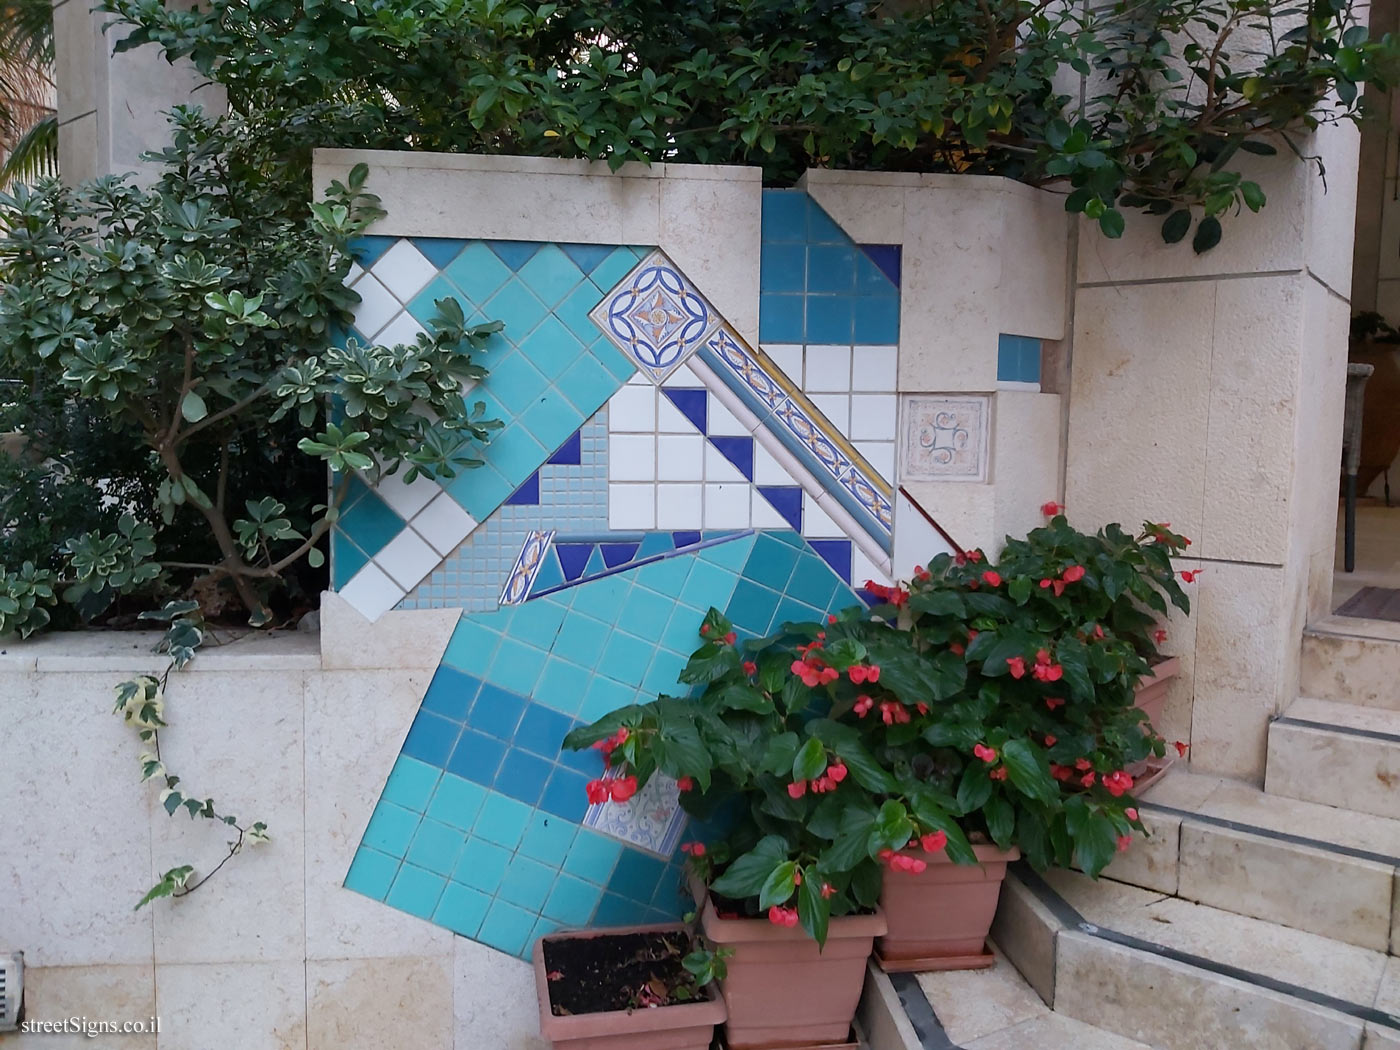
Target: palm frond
(34, 156)
(26, 32)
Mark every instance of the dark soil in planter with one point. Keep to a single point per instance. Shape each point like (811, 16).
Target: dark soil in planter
(590, 975)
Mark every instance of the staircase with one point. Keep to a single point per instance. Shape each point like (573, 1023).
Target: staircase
(1249, 920)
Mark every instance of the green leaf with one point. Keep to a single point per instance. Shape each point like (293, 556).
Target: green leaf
(1111, 223)
(746, 876)
(1029, 771)
(810, 760)
(813, 910)
(892, 828)
(974, 789)
(1207, 235)
(1001, 820)
(1175, 225)
(777, 888)
(192, 407)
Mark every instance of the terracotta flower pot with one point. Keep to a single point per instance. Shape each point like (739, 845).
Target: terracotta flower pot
(1151, 697)
(939, 918)
(685, 1026)
(782, 991)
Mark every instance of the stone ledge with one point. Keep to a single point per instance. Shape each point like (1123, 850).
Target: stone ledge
(121, 651)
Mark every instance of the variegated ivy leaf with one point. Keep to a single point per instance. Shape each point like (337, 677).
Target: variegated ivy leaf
(153, 768)
(257, 834)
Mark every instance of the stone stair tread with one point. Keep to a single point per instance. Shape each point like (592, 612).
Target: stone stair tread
(1355, 627)
(1304, 960)
(1345, 716)
(1244, 804)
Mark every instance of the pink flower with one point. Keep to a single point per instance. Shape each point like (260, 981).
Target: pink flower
(730, 638)
(838, 772)
(1131, 813)
(1016, 665)
(863, 705)
(597, 791)
(1189, 575)
(991, 579)
(750, 668)
(797, 789)
(892, 713)
(685, 784)
(1073, 574)
(1124, 841)
(1117, 783)
(1159, 636)
(622, 788)
(695, 849)
(860, 673)
(1053, 702)
(1060, 772)
(1050, 509)
(828, 891)
(1087, 779)
(985, 753)
(1181, 748)
(780, 916)
(998, 774)
(1050, 739)
(934, 841)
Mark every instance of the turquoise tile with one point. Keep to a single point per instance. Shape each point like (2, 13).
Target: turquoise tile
(876, 320)
(435, 847)
(581, 638)
(752, 607)
(666, 576)
(481, 865)
(552, 348)
(527, 883)
(626, 658)
(832, 268)
(682, 633)
(784, 215)
(572, 901)
(411, 783)
(456, 802)
(593, 857)
(783, 267)
(663, 676)
(573, 312)
(601, 598)
(813, 582)
(507, 928)
(516, 667)
(643, 610)
(830, 319)
(603, 697)
(871, 279)
(461, 909)
(549, 575)
(821, 228)
(346, 559)
(656, 543)
(416, 891)
(502, 821)
(732, 554)
(792, 611)
(562, 686)
(515, 383)
(781, 318)
(537, 622)
(423, 306)
(518, 307)
(708, 585)
(391, 828)
(480, 492)
(588, 385)
(477, 272)
(371, 524)
(614, 360)
(553, 418)
(550, 274)
(543, 928)
(371, 873)
(547, 838)
(770, 564)
(471, 647)
(613, 269)
(515, 453)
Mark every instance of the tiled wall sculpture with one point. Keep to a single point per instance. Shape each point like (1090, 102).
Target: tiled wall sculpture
(653, 464)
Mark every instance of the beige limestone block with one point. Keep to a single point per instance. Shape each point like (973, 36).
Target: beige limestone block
(77, 839)
(1024, 930)
(1351, 669)
(355, 724)
(77, 148)
(1025, 464)
(238, 739)
(401, 638)
(710, 228)
(398, 1003)
(237, 1006)
(1151, 860)
(1034, 288)
(1053, 1030)
(125, 993)
(880, 1017)
(494, 1002)
(869, 212)
(1331, 207)
(1335, 769)
(1381, 1038)
(971, 1004)
(966, 512)
(76, 52)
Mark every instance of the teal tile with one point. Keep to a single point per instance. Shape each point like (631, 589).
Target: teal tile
(876, 319)
(477, 272)
(682, 633)
(502, 821)
(770, 564)
(481, 865)
(613, 269)
(480, 491)
(550, 274)
(527, 883)
(663, 676)
(572, 901)
(601, 598)
(391, 828)
(573, 312)
(656, 543)
(515, 383)
(543, 928)
(792, 611)
(346, 559)
(472, 646)
(371, 524)
(411, 783)
(416, 891)
(537, 622)
(732, 554)
(666, 576)
(516, 667)
(371, 873)
(626, 658)
(581, 638)
(562, 686)
(435, 847)
(548, 838)
(784, 216)
(461, 909)
(593, 857)
(507, 928)
(783, 267)
(423, 306)
(614, 360)
(549, 575)
(708, 585)
(813, 582)
(518, 307)
(515, 453)
(752, 607)
(603, 697)
(552, 418)
(456, 802)
(552, 348)
(643, 610)
(588, 384)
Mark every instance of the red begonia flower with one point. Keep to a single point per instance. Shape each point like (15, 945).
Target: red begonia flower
(622, 788)
(985, 753)
(991, 579)
(1050, 509)
(934, 841)
(1016, 666)
(797, 789)
(685, 784)
(597, 791)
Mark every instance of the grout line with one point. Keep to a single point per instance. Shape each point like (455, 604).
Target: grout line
(1191, 279)
(1280, 836)
(1368, 734)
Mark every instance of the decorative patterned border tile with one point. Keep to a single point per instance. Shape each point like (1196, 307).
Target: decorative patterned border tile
(656, 317)
(527, 566)
(944, 438)
(653, 820)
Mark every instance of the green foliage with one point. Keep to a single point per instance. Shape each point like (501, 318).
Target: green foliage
(981, 704)
(103, 566)
(25, 599)
(1176, 92)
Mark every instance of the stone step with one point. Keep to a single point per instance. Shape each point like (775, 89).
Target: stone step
(1175, 975)
(1352, 661)
(1301, 864)
(1337, 754)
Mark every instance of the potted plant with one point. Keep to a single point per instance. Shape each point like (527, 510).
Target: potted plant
(641, 987)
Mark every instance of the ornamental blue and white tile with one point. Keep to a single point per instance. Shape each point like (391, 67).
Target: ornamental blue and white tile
(652, 820)
(527, 567)
(656, 317)
(759, 383)
(944, 438)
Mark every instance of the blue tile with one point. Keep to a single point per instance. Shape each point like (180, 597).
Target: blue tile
(542, 731)
(391, 828)
(346, 559)
(518, 307)
(672, 893)
(537, 623)
(547, 839)
(618, 911)
(435, 847)
(876, 320)
(481, 865)
(682, 633)
(829, 319)
(707, 585)
(783, 267)
(430, 738)
(613, 269)
(663, 676)
(573, 312)
(523, 776)
(497, 711)
(476, 757)
(603, 697)
(368, 249)
(548, 576)
(502, 821)
(781, 318)
(600, 598)
(371, 873)
(553, 417)
(586, 256)
(371, 524)
(515, 254)
(572, 901)
(456, 801)
(480, 491)
(752, 607)
(588, 762)
(515, 452)
(593, 857)
(570, 453)
(416, 891)
(587, 384)
(440, 251)
(771, 563)
(738, 450)
(812, 583)
(615, 554)
(451, 693)
(693, 403)
(732, 553)
(685, 539)
(666, 576)
(527, 883)
(552, 348)
(580, 638)
(564, 796)
(1008, 359)
(619, 365)
(888, 259)
(562, 686)
(655, 543)
(831, 268)
(784, 215)
(573, 558)
(822, 228)
(516, 667)
(528, 494)
(461, 909)
(471, 647)
(790, 610)
(411, 783)
(643, 611)
(837, 554)
(550, 274)
(786, 500)
(626, 658)
(477, 272)
(636, 876)
(507, 928)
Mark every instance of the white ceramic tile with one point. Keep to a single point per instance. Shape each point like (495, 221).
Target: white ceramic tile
(680, 378)
(873, 417)
(631, 457)
(767, 470)
(669, 419)
(444, 524)
(815, 521)
(356, 270)
(680, 457)
(792, 469)
(724, 423)
(632, 506)
(633, 409)
(863, 568)
(637, 379)
(371, 592)
(916, 542)
(828, 368)
(763, 515)
(721, 393)
(404, 270)
(376, 307)
(836, 408)
(402, 329)
(875, 368)
(727, 506)
(408, 558)
(880, 455)
(679, 506)
(787, 357)
(717, 468)
(408, 498)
